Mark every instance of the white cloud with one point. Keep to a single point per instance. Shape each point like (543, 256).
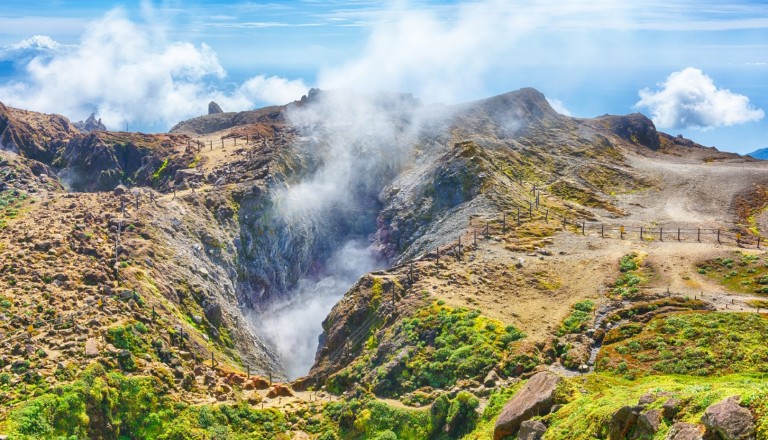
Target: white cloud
(35, 46)
(129, 74)
(690, 99)
(437, 58)
(559, 106)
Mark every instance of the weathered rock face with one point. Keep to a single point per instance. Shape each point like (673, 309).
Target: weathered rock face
(635, 128)
(729, 420)
(684, 431)
(90, 124)
(531, 430)
(535, 398)
(33, 135)
(623, 422)
(214, 108)
(100, 161)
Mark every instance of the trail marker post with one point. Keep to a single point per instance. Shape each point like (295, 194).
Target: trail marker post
(661, 233)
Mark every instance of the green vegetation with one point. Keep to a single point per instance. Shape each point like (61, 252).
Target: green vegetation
(110, 405)
(589, 412)
(577, 321)
(437, 346)
(625, 285)
(11, 201)
(739, 272)
(699, 344)
(367, 418)
(160, 171)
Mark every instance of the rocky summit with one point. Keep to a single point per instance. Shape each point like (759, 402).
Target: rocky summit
(370, 267)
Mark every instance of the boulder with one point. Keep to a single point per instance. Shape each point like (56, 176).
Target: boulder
(120, 190)
(649, 422)
(256, 383)
(684, 431)
(490, 379)
(535, 398)
(623, 421)
(729, 420)
(91, 347)
(531, 430)
(279, 390)
(670, 408)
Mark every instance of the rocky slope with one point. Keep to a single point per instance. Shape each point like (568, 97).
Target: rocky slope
(498, 222)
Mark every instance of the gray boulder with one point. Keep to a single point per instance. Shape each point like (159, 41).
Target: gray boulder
(729, 420)
(536, 397)
(623, 421)
(684, 431)
(649, 422)
(531, 430)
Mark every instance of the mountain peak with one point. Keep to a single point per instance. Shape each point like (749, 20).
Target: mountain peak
(90, 124)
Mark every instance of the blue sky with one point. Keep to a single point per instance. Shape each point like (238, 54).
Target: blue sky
(698, 61)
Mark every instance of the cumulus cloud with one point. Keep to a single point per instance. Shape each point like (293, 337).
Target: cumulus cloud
(130, 75)
(558, 106)
(690, 99)
(436, 57)
(33, 47)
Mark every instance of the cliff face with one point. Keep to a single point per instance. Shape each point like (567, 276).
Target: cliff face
(34, 135)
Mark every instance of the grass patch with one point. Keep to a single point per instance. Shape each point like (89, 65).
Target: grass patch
(103, 404)
(579, 318)
(691, 343)
(626, 285)
(738, 272)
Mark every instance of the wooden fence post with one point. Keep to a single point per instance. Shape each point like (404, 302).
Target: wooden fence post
(698, 235)
(621, 232)
(602, 230)
(641, 233)
(678, 234)
(718, 236)
(583, 228)
(661, 233)
(503, 223)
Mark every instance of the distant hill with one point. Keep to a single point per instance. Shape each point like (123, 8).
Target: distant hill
(761, 154)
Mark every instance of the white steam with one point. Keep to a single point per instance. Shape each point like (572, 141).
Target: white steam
(690, 99)
(130, 74)
(293, 327)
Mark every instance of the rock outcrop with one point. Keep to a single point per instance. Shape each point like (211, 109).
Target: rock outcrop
(214, 108)
(532, 430)
(684, 431)
(729, 420)
(535, 398)
(90, 124)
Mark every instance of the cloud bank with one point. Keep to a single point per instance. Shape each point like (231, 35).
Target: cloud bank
(690, 99)
(130, 75)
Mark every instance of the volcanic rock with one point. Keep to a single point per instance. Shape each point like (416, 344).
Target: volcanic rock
(536, 397)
